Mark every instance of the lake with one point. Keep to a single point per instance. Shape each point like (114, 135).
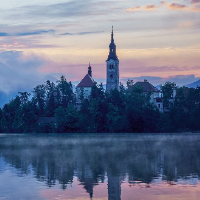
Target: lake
(100, 166)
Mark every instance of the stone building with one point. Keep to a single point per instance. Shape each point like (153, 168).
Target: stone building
(86, 85)
(112, 61)
(156, 95)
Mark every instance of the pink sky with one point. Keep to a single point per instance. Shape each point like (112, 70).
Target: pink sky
(155, 191)
(154, 39)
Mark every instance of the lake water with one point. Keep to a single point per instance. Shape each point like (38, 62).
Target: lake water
(100, 167)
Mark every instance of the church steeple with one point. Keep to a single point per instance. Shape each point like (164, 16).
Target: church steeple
(90, 70)
(112, 81)
(112, 48)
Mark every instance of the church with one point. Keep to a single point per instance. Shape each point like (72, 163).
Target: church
(112, 79)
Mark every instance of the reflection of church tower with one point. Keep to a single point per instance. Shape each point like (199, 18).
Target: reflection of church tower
(112, 67)
(86, 179)
(114, 187)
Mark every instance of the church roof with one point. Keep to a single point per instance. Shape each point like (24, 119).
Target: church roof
(147, 87)
(87, 81)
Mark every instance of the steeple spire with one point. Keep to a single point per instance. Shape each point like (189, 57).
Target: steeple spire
(112, 53)
(90, 70)
(112, 39)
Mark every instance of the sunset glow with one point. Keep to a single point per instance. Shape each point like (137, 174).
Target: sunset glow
(156, 39)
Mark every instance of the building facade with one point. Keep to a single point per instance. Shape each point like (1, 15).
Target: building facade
(156, 95)
(112, 61)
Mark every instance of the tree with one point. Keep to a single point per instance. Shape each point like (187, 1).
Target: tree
(167, 90)
(66, 92)
(51, 94)
(8, 114)
(39, 94)
(24, 97)
(81, 96)
(113, 119)
(67, 120)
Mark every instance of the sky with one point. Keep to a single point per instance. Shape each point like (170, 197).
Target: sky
(156, 40)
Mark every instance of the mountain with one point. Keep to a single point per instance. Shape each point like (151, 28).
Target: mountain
(11, 83)
(5, 98)
(194, 84)
(11, 80)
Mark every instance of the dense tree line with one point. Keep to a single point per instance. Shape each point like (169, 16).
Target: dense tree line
(125, 110)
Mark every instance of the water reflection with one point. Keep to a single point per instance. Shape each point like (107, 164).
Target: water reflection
(139, 160)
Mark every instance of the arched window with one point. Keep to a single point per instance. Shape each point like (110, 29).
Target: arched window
(111, 76)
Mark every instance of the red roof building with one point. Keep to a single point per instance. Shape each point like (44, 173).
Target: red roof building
(87, 81)
(147, 87)
(86, 84)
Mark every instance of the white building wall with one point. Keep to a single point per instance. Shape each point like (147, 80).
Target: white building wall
(86, 91)
(153, 99)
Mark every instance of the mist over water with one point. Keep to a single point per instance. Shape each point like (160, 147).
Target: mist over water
(116, 166)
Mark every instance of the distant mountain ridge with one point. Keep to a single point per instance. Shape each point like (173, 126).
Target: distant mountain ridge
(194, 84)
(11, 83)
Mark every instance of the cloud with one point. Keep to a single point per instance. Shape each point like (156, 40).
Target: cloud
(10, 55)
(25, 65)
(134, 8)
(170, 6)
(186, 24)
(176, 6)
(150, 7)
(67, 10)
(195, 1)
(162, 2)
(82, 33)
(37, 32)
(147, 7)
(3, 34)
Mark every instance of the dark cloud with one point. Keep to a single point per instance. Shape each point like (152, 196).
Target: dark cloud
(3, 34)
(37, 32)
(67, 34)
(82, 33)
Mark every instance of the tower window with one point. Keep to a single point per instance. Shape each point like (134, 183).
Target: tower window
(110, 66)
(111, 76)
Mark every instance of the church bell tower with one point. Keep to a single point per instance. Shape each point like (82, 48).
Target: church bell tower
(112, 81)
